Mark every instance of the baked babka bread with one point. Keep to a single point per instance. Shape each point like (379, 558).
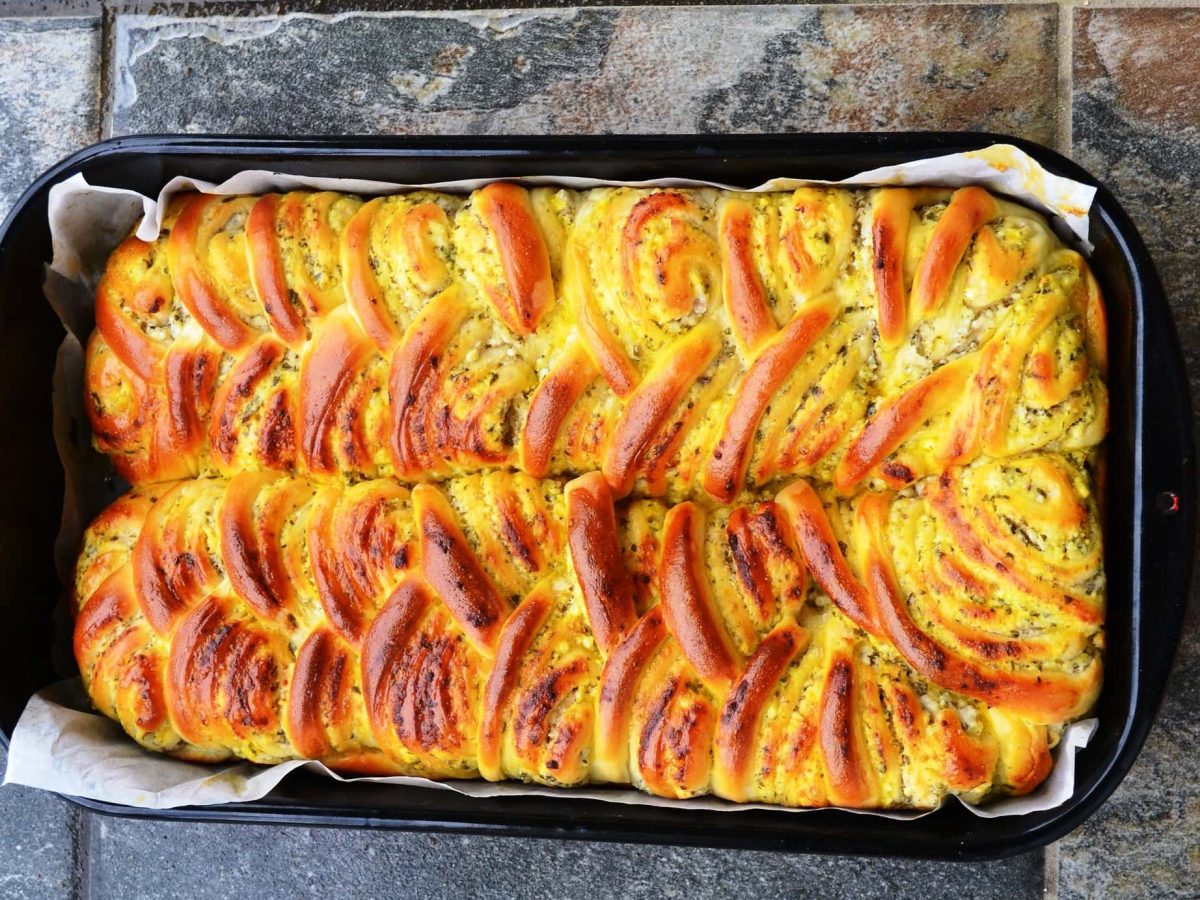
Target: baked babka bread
(685, 343)
(831, 538)
(802, 649)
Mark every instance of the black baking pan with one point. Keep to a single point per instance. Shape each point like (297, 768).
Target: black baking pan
(1150, 492)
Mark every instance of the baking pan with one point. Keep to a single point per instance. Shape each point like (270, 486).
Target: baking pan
(1150, 491)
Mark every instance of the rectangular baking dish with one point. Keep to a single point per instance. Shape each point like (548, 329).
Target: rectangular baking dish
(1150, 492)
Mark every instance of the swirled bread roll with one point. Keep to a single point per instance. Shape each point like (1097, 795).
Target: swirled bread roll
(802, 649)
(685, 343)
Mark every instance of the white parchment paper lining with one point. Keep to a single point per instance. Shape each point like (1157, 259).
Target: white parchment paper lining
(59, 744)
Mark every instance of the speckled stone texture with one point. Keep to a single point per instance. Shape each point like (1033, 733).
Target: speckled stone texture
(1137, 127)
(640, 70)
(37, 844)
(195, 862)
(49, 106)
(49, 95)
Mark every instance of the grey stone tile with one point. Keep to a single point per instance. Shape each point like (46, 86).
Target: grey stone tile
(223, 861)
(632, 70)
(49, 106)
(37, 840)
(1137, 127)
(49, 95)
(45, 8)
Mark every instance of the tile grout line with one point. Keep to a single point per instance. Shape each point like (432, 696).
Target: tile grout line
(108, 24)
(189, 9)
(1052, 857)
(1066, 73)
(81, 876)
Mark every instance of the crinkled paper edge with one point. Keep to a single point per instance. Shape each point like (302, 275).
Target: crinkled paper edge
(60, 745)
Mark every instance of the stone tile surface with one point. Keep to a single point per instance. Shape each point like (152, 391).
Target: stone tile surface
(49, 106)
(1137, 127)
(49, 95)
(37, 844)
(214, 861)
(634, 70)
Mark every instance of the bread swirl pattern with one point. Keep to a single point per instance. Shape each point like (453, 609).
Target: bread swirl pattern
(831, 536)
(794, 649)
(686, 343)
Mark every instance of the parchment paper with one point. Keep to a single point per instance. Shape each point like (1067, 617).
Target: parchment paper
(59, 744)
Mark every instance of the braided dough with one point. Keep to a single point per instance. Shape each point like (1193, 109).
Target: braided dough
(684, 343)
(350, 428)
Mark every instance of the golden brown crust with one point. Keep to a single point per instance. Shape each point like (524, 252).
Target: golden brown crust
(969, 210)
(890, 222)
(819, 548)
(419, 682)
(687, 599)
(454, 573)
(724, 476)
(515, 641)
(596, 560)
(893, 422)
(622, 671)
(650, 405)
(841, 739)
(200, 224)
(984, 555)
(551, 404)
(527, 290)
(745, 296)
(743, 710)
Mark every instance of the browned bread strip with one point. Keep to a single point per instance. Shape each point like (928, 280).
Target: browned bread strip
(876, 652)
(685, 343)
